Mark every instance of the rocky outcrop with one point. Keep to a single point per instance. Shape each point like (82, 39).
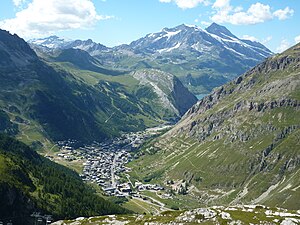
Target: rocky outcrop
(172, 94)
(14, 51)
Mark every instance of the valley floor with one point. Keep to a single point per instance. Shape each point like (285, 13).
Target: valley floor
(104, 166)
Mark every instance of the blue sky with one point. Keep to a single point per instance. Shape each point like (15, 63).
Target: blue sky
(275, 23)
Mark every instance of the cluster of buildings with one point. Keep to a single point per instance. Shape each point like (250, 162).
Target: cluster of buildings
(104, 162)
(103, 167)
(148, 187)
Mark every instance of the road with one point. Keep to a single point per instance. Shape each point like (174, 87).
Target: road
(113, 167)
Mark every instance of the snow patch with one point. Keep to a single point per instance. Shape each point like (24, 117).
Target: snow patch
(171, 33)
(169, 49)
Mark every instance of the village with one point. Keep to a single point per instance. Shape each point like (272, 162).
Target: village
(105, 162)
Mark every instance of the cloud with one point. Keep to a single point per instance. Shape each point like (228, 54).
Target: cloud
(248, 37)
(205, 23)
(284, 14)
(284, 45)
(187, 4)
(256, 13)
(266, 40)
(42, 18)
(297, 39)
(221, 4)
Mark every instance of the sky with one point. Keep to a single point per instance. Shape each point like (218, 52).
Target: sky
(274, 23)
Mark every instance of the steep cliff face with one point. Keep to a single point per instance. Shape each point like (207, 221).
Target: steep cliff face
(172, 95)
(14, 51)
(240, 143)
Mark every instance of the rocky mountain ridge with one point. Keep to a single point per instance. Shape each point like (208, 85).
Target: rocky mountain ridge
(240, 144)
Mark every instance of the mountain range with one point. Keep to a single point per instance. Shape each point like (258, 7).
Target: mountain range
(73, 97)
(238, 145)
(201, 59)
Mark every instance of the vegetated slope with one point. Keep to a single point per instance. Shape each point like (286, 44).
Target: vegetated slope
(30, 183)
(240, 144)
(84, 61)
(247, 214)
(66, 101)
(202, 59)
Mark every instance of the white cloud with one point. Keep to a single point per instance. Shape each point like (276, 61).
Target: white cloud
(248, 37)
(297, 39)
(205, 23)
(187, 4)
(42, 17)
(284, 14)
(221, 4)
(284, 45)
(256, 13)
(266, 40)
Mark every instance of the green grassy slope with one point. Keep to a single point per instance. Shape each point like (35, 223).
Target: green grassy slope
(240, 144)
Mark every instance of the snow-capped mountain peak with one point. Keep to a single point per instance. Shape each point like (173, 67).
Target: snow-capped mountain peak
(220, 31)
(51, 42)
(215, 39)
(55, 42)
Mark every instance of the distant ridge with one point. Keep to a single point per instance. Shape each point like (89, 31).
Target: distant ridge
(201, 58)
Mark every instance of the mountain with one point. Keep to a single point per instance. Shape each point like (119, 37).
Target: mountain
(51, 42)
(238, 145)
(170, 91)
(72, 96)
(55, 42)
(195, 39)
(31, 183)
(84, 61)
(201, 58)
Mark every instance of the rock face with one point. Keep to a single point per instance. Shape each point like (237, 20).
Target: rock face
(170, 91)
(14, 51)
(243, 138)
(201, 59)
